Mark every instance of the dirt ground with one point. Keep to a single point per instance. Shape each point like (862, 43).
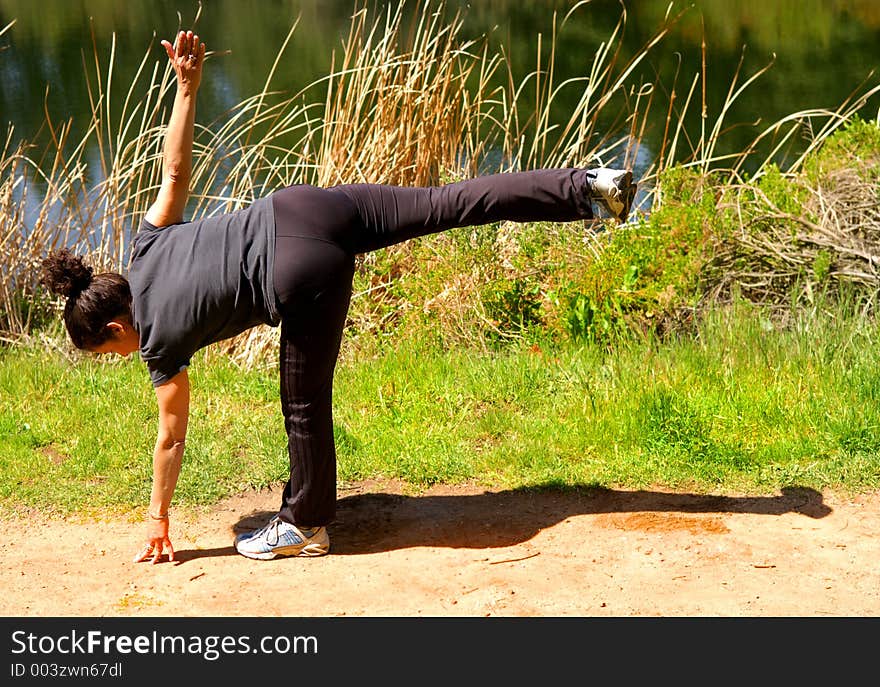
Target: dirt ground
(464, 551)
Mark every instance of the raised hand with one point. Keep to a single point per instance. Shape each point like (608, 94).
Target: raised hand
(187, 56)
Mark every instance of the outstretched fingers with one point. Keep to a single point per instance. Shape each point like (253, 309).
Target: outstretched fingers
(180, 47)
(186, 43)
(155, 549)
(144, 553)
(167, 543)
(186, 55)
(184, 38)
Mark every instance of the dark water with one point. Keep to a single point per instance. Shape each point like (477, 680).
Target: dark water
(824, 50)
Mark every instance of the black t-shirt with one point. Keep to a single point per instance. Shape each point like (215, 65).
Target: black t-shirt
(196, 283)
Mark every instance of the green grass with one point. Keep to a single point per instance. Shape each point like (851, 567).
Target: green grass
(739, 407)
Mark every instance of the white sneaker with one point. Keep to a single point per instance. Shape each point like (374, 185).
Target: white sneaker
(615, 190)
(280, 538)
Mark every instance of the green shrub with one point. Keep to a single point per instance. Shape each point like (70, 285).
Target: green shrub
(514, 305)
(648, 274)
(854, 147)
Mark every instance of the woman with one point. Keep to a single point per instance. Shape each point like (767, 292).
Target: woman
(287, 259)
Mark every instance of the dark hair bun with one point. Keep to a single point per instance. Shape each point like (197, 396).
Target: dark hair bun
(65, 273)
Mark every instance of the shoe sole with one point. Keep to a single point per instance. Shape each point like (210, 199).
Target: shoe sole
(307, 551)
(626, 193)
(628, 190)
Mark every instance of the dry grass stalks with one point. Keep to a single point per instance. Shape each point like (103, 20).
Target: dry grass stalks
(777, 254)
(398, 113)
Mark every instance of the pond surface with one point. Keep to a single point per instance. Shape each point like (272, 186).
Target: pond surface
(824, 50)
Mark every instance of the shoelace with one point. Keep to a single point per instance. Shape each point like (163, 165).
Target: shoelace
(270, 527)
(271, 531)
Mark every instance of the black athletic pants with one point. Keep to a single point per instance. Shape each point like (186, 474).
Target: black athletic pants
(318, 233)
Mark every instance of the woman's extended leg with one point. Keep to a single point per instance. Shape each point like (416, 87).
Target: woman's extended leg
(391, 214)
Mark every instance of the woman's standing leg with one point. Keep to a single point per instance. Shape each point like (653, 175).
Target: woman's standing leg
(313, 277)
(309, 349)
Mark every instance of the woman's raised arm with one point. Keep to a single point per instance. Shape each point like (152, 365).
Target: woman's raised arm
(187, 56)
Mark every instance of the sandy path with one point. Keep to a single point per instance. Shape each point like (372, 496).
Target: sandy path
(462, 551)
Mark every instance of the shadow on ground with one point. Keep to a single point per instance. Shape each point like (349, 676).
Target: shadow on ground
(377, 522)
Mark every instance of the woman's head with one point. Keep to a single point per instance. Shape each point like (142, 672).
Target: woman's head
(98, 309)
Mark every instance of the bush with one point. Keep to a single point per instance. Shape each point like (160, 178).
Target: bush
(648, 277)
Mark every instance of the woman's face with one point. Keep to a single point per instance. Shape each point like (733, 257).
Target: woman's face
(123, 340)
